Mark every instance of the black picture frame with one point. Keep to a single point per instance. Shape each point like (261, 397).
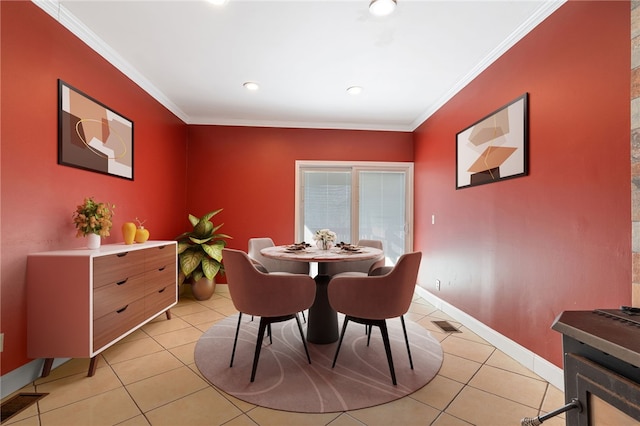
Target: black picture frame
(92, 136)
(496, 147)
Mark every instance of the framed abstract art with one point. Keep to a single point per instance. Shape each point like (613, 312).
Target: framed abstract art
(494, 148)
(91, 136)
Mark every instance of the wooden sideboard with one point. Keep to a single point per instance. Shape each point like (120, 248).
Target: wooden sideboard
(80, 302)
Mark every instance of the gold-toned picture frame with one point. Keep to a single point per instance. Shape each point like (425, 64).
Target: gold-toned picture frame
(92, 136)
(494, 148)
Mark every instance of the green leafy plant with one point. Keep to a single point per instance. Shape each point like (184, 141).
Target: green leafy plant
(200, 250)
(92, 217)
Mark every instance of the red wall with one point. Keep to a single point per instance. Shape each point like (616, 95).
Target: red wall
(250, 172)
(515, 254)
(38, 195)
(512, 254)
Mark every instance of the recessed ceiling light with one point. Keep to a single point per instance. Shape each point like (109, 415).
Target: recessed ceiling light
(382, 7)
(250, 85)
(354, 90)
(218, 2)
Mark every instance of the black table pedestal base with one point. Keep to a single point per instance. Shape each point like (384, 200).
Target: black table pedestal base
(322, 324)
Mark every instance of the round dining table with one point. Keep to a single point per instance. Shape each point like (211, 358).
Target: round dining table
(322, 322)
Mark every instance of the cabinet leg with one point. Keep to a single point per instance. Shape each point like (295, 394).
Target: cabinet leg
(46, 368)
(168, 313)
(92, 366)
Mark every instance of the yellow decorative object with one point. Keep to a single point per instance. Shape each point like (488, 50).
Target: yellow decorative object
(129, 232)
(142, 235)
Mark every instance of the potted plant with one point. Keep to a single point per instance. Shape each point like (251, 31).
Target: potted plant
(200, 255)
(93, 220)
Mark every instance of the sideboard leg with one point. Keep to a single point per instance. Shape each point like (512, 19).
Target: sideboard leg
(92, 366)
(46, 368)
(168, 314)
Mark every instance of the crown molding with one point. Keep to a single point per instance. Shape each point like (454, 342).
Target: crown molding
(547, 8)
(70, 22)
(383, 127)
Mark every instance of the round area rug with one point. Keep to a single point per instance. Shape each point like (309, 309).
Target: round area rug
(286, 381)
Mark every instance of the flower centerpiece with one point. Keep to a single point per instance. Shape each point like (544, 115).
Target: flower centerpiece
(325, 238)
(93, 218)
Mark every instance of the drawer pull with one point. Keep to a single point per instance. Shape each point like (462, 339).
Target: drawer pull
(119, 311)
(122, 282)
(122, 254)
(161, 247)
(162, 291)
(162, 269)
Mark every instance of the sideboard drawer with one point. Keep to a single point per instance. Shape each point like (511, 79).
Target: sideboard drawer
(118, 322)
(158, 300)
(159, 257)
(117, 267)
(157, 279)
(113, 296)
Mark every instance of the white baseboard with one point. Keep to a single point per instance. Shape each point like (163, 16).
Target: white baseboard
(538, 365)
(22, 376)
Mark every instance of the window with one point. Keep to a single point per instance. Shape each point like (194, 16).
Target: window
(363, 200)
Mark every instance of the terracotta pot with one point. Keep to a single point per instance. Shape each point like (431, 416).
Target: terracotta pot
(203, 288)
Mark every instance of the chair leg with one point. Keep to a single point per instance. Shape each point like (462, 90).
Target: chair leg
(235, 341)
(406, 339)
(269, 334)
(304, 341)
(261, 328)
(387, 348)
(344, 328)
(368, 327)
(303, 317)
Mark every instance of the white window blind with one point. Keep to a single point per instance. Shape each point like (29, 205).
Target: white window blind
(356, 201)
(327, 198)
(382, 212)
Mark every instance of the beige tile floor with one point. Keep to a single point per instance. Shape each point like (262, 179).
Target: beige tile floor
(150, 378)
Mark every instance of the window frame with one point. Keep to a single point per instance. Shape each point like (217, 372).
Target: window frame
(355, 167)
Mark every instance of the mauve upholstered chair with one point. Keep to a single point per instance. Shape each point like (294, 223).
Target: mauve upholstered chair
(372, 299)
(274, 265)
(266, 264)
(272, 297)
(360, 267)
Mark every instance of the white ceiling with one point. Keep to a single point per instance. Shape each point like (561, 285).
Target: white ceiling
(193, 57)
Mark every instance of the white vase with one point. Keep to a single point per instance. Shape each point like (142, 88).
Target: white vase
(93, 241)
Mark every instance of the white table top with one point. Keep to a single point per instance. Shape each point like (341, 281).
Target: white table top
(314, 254)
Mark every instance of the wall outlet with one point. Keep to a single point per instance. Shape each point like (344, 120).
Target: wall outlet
(438, 285)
